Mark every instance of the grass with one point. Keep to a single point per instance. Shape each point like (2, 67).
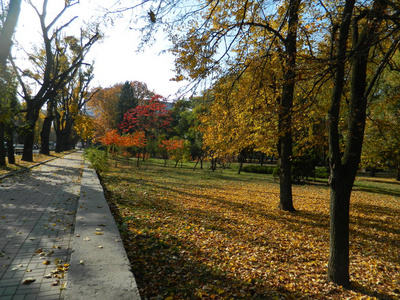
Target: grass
(218, 235)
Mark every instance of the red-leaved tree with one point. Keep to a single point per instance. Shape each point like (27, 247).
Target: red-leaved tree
(152, 118)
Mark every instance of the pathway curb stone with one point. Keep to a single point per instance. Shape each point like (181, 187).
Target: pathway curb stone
(99, 267)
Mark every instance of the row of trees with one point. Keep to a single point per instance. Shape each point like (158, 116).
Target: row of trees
(57, 77)
(288, 74)
(286, 77)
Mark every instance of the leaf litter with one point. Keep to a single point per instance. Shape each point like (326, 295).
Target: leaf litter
(197, 235)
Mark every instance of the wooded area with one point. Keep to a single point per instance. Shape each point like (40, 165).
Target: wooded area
(301, 82)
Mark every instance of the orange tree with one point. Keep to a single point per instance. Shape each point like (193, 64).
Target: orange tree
(177, 149)
(117, 143)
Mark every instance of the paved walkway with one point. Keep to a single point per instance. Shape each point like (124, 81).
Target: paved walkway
(58, 239)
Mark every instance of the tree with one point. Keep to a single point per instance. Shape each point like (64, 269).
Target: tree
(117, 143)
(126, 101)
(185, 124)
(368, 30)
(47, 74)
(382, 133)
(221, 39)
(84, 127)
(7, 31)
(71, 103)
(177, 149)
(104, 106)
(153, 118)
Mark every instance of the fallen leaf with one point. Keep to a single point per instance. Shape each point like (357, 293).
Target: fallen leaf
(29, 280)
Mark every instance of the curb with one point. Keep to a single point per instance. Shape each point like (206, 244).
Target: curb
(99, 266)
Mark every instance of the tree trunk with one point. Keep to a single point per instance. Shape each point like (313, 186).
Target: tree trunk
(372, 172)
(338, 266)
(31, 117)
(285, 176)
(10, 146)
(6, 42)
(242, 156)
(8, 30)
(46, 129)
(285, 114)
(45, 136)
(2, 149)
(344, 170)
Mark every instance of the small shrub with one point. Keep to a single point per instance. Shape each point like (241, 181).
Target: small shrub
(258, 169)
(276, 172)
(97, 158)
(321, 172)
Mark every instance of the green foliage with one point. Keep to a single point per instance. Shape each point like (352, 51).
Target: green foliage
(259, 169)
(321, 172)
(126, 101)
(98, 159)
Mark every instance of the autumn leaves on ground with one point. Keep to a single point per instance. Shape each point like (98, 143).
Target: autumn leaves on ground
(218, 235)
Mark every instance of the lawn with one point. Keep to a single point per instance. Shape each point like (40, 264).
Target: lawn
(218, 235)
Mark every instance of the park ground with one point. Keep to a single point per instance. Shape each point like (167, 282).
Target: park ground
(219, 235)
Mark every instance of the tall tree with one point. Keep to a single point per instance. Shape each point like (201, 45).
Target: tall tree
(132, 94)
(71, 102)
(7, 30)
(367, 31)
(104, 106)
(221, 39)
(126, 101)
(9, 20)
(50, 78)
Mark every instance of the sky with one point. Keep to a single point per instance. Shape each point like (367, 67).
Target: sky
(116, 57)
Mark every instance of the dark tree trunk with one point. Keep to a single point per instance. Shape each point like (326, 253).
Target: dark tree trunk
(285, 114)
(45, 136)
(31, 117)
(46, 129)
(341, 186)
(8, 30)
(398, 172)
(372, 172)
(344, 170)
(338, 266)
(10, 146)
(6, 34)
(242, 157)
(2, 149)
